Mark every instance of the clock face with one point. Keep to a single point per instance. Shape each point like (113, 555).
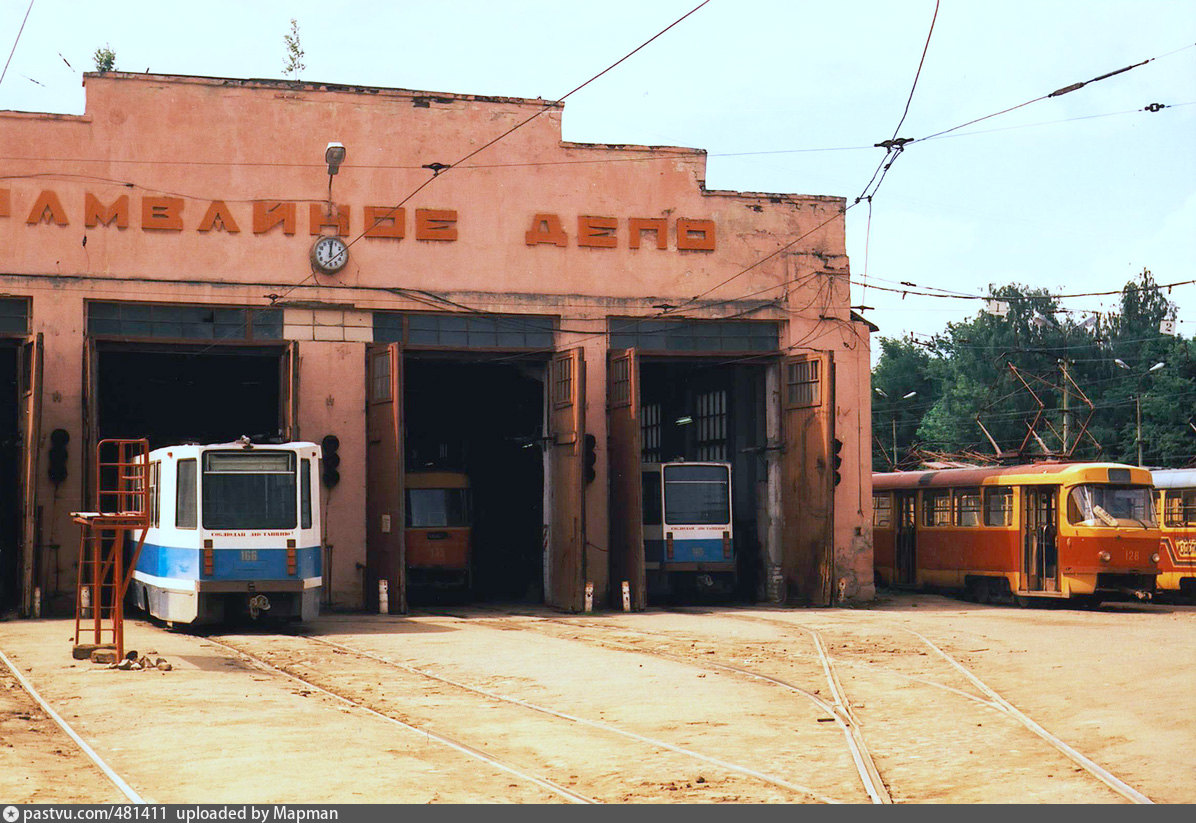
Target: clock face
(330, 254)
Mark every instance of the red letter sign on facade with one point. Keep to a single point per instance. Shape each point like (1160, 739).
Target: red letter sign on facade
(546, 228)
(321, 219)
(218, 217)
(95, 214)
(267, 215)
(695, 235)
(659, 226)
(435, 224)
(47, 209)
(162, 213)
(385, 221)
(597, 232)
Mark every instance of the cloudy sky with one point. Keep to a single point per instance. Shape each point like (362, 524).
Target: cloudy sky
(1076, 193)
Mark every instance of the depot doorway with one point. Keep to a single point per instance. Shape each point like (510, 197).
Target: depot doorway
(480, 421)
(697, 410)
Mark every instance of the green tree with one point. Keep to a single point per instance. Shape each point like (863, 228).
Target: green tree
(105, 59)
(970, 378)
(903, 368)
(293, 64)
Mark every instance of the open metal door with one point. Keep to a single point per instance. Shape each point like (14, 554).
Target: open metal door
(626, 486)
(386, 551)
(566, 541)
(91, 422)
(807, 478)
(288, 392)
(29, 376)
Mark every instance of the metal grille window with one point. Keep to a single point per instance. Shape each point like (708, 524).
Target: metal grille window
(380, 377)
(14, 315)
(803, 383)
(692, 335)
(562, 381)
(465, 331)
(711, 420)
(176, 322)
(650, 433)
(620, 382)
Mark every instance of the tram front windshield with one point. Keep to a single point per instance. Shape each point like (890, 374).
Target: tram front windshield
(696, 496)
(1093, 504)
(437, 508)
(249, 490)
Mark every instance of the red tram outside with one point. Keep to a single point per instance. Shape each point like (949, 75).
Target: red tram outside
(1083, 532)
(1175, 493)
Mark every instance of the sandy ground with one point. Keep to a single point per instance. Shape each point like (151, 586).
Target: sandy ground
(693, 705)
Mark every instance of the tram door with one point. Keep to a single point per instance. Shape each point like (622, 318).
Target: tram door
(907, 538)
(1040, 558)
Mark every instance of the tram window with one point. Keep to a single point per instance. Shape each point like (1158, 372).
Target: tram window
(936, 508)
(305, 494)
(696, 495)
(1180, 508)
(882, 510)
(437, 508)
(651, 498)
(249, 490)
(155, 493)
(184, 501)
(1093, 504)
(998, 507)
(967, 507)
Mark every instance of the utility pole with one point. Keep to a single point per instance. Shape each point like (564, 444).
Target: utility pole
(1066, 396)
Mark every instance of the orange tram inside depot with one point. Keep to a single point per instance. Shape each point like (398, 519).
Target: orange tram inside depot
(1084, 532)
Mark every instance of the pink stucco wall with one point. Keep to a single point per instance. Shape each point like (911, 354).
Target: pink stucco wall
(178, 145)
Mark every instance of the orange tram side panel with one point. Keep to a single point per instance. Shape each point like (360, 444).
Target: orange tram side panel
(1080, 531)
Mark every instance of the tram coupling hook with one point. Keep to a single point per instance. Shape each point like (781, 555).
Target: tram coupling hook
(257, 604)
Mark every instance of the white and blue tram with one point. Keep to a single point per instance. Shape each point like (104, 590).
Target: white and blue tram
(234, 531)
(688, 535)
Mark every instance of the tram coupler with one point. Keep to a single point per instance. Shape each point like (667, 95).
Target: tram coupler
(258, 603)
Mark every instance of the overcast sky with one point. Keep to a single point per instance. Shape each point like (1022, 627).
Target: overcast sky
(1076, 193)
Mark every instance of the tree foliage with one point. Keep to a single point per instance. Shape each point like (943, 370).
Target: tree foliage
(1008, 376)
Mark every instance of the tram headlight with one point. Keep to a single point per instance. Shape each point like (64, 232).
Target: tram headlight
(1105, 557)
(1154, 558)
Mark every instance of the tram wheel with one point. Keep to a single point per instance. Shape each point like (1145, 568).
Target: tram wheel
(1021, 601)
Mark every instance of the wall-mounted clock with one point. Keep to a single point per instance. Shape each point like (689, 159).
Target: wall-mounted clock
(329, 254)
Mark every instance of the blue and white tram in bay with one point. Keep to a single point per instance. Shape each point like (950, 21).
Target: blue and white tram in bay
(688, 535)
(234, 530)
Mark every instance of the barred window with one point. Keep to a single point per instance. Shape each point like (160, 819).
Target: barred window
(803, 383)
(562, 381)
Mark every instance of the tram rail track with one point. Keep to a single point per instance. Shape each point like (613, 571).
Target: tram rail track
(130, 794)
(988, 698)
(1000, 704)
(795, 790)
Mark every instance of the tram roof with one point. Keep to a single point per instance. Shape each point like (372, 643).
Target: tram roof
(1042, 473)
(1174, 478)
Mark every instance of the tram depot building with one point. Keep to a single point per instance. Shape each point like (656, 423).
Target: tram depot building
(540, 302)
